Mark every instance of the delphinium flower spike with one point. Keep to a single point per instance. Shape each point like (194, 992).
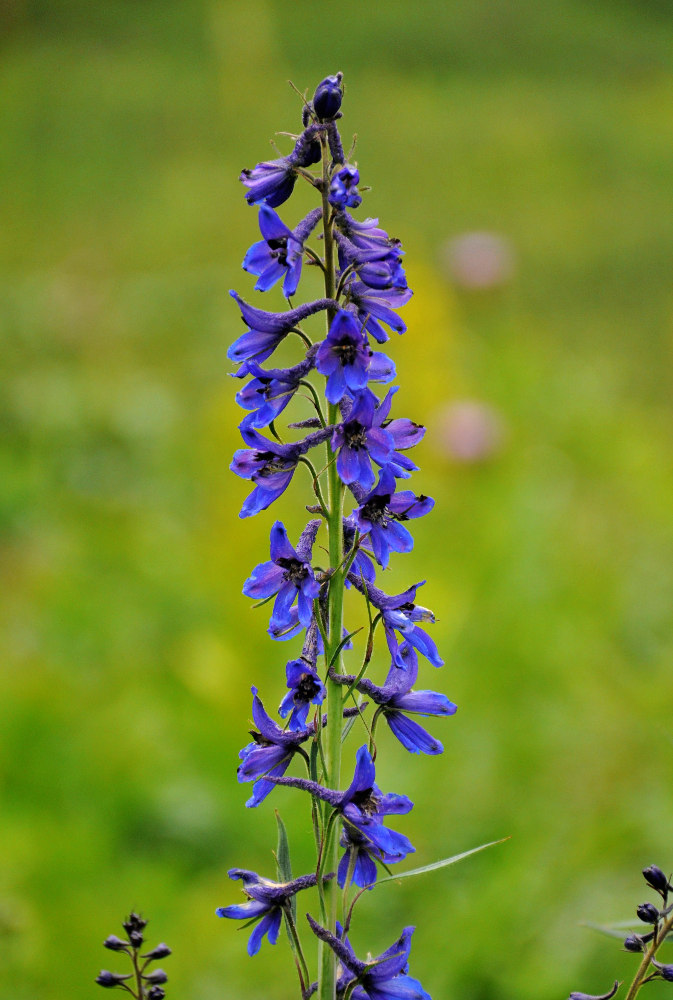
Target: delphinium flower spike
(354, 447)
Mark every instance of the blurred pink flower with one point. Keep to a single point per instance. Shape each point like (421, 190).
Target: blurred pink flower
(470, 431)
(479, 260)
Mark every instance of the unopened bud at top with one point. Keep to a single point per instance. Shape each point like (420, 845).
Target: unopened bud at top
(648, 913)
(654, 877)
(328, 96)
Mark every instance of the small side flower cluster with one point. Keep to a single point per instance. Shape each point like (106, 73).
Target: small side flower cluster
(140, 983)
(658, 919)
(364, 455)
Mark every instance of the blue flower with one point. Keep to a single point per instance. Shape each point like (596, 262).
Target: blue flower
(377, 266)
(270, 465)
(397, 701)
(375, 306)
(381, 513)
(273, 180)
(343, 192)
(362, 565)
(365, 235)
(382, 978)
(360, 439)
(280, 253)
(268, 393)
(305, 685)
(268, 329)
(266, 900)
(343, 357)
(361, 852)
(328, 96)
(288, 575)
(400, 614)
(362, 806)
(269, 754)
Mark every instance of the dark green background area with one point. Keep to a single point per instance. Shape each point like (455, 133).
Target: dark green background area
(127, 651)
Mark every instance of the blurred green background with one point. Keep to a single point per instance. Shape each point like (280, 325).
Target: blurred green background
(127, 649)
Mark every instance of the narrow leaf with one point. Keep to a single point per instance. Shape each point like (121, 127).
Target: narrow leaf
(610, 931)
(349, 723)
(341, 645)
(440, 864)
(283, 852)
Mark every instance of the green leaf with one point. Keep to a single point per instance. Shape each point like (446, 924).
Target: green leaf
(283, 852)
(611, 931)
(346, 639)
(440, 864)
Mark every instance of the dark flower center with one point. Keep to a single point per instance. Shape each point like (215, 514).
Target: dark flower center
(355, 435)
(278, 249)
(376, 510)
(259, 739)
(306, 689)
(274, 465)
(346, 351)
(295, 571)
(367, 801)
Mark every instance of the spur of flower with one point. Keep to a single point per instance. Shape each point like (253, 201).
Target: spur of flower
(266, 902)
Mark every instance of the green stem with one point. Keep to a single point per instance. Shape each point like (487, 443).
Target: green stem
(332, 741)
(302, 968)
(651, 951)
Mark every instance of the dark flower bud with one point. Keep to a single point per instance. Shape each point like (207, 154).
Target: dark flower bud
(665, 971)
(633, 942)
(328, 96)
(136, 939)
(156, 977)
(156, 993)
(590, 996)
(110, 979)
(115, 943)
(134, 922)
(648, 913)
(161, 951)
(656, 878)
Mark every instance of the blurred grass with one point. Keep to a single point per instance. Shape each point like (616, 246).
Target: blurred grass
(127, 649)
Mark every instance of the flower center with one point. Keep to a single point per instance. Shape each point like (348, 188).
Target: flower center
(376, 510)
(295, 571)
(278, 249)
(355, 435)
(306, 689)
(367, 801)
(346, 351)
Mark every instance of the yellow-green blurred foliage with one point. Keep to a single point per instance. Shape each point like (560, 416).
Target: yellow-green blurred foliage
(127, 649)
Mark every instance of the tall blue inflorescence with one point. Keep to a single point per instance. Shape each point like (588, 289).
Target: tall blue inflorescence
(355, 457)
